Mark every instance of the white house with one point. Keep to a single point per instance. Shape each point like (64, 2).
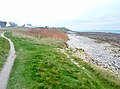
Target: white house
(27, 25)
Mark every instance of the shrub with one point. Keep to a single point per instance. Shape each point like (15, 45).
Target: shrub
(44, 33)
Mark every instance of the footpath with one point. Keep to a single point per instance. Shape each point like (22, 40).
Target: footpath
(5, 72)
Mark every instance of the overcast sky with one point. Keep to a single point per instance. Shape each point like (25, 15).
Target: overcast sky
(74, 14)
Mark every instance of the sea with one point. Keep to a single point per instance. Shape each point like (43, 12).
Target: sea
(107, 31)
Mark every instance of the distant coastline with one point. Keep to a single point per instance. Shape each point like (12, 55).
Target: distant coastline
(107, 31)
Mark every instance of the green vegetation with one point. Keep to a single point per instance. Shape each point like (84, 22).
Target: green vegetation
(42, 66)
(4, 50)
(60, 28)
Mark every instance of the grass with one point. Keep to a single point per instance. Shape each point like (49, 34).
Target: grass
(4, 50)
(42, 66)
(48, 41)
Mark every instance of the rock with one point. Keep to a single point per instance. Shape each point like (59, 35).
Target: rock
(100, 53)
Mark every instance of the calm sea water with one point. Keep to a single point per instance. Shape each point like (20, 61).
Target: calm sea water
(108, 31)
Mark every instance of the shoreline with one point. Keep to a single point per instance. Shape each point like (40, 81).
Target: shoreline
(102, 31)
(103, 48)
(111, 38)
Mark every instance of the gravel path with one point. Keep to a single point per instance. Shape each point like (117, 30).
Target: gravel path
(5, 72)
(100, 52)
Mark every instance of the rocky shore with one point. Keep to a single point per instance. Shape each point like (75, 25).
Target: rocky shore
(103, 48)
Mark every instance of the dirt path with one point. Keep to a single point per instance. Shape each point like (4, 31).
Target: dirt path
(100, 52)
(5, 72)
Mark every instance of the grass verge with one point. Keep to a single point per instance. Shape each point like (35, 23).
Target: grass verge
(4, 50)
(41, 66)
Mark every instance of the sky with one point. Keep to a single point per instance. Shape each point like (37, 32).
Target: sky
(74, 14)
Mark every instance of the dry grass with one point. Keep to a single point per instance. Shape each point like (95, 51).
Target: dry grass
(43, 33)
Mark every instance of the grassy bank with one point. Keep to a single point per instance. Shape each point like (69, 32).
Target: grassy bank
(42, 66)
(4, 50)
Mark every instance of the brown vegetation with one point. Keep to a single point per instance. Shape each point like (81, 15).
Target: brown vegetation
(44, 33)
